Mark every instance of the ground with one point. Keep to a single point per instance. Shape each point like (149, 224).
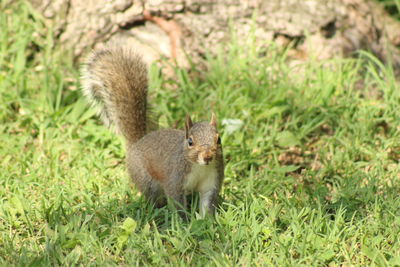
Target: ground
(311, 151)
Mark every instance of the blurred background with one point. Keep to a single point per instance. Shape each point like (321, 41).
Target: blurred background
(315, 28)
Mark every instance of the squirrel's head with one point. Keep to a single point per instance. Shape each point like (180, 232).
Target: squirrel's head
(202, 142)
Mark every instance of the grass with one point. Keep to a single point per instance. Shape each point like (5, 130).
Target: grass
(312, 174)
(392, 7)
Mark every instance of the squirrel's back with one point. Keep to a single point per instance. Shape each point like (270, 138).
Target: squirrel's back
(116, 79)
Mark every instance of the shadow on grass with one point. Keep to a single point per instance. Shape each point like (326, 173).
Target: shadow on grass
(355, 194)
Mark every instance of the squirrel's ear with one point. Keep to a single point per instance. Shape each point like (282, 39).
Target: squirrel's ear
(188, 125)
(213, 120)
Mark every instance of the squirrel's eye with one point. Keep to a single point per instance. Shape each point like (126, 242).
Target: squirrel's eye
(190, 141)
(219, 140)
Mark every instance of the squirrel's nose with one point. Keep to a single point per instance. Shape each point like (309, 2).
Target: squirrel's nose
(208, 158)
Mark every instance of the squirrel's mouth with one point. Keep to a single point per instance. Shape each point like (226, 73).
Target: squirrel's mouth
(205, 161)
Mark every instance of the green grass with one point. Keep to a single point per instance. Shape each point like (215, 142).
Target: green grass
(392, 7)
(312, 175)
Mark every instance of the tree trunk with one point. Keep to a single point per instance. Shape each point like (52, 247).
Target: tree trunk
(173, 28)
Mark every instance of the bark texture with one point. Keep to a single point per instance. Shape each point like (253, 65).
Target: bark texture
(173, 28)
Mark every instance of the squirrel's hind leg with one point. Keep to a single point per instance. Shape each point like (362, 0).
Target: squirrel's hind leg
(147, 185)
(155, 194)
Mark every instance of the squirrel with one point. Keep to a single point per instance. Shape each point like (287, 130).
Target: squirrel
(163, 164)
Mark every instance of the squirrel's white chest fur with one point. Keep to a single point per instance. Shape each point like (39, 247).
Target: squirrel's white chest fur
(202, 178)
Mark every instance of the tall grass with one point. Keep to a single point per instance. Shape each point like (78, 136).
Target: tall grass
(312, 173)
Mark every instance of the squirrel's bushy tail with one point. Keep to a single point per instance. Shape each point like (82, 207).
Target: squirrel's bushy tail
(116, 80)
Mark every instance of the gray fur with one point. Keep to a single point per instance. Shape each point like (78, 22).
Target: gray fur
(159, 162)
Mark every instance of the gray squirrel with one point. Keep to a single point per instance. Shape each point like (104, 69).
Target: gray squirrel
(163, 164)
